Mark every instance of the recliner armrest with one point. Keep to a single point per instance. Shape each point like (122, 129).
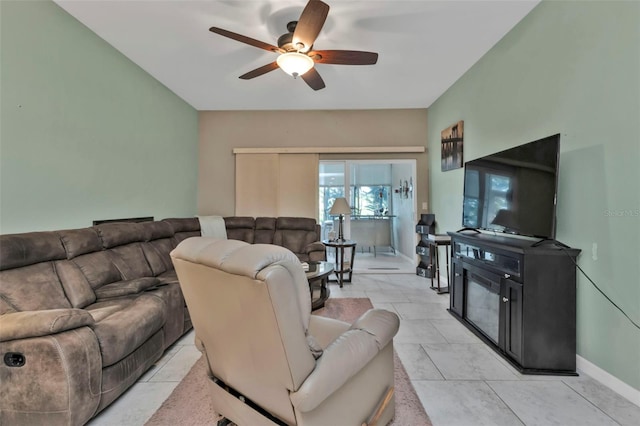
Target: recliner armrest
(21, 325)
(345, 357)
(382, 324)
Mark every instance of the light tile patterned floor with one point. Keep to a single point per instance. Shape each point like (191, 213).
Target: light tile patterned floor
(459, 380)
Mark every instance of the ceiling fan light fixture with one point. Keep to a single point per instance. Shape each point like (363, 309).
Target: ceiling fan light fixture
(294, 63)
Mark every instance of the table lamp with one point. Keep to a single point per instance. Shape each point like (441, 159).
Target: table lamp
(340, 207)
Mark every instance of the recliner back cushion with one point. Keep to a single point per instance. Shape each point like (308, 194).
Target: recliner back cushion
(240, 228)
(265, 228)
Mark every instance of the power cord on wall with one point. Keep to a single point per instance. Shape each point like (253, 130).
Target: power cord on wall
(564, 249)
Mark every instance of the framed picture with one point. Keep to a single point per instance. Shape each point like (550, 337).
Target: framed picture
(451, 140)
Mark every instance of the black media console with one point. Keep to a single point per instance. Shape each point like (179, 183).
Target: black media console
(519, 297)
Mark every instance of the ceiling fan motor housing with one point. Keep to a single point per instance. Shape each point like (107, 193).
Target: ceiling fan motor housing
(285, 41)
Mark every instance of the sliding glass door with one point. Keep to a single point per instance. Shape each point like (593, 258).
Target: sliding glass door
(332, 184)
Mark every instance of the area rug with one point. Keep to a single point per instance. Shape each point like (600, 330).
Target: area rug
(189, 403)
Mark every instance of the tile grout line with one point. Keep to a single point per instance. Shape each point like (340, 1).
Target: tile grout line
(588, 401)
(487, 382)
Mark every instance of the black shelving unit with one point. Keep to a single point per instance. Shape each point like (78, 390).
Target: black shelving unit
(426, 226)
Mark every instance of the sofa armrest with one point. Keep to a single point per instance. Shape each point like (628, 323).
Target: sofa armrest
(21, 325)
(316, 246)
(59, 382)
(315, 252)
(345, 357)
(125, 288)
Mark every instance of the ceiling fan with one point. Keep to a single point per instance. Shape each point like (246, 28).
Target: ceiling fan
(296, 57)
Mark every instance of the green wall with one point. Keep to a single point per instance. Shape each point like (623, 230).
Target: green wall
(85, 133)
(571, 68)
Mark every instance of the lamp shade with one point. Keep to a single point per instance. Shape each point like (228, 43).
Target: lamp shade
(294, 63)
(340, 206)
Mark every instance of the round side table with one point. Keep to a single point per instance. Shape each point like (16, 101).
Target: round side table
(342, 267)
(318, 275)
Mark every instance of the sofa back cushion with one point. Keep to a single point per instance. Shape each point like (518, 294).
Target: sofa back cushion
(32, 288)
(158, 246)
(98, 268)
(28, 278)
(184, 228)
(80, 241)
(18, 250)
(82, 271)
(295, 233)
(240, 228)
(120, 233)
(124, 241)
(75, 284)
(265, 228)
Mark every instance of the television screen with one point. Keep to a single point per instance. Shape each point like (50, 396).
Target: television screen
(514, 191)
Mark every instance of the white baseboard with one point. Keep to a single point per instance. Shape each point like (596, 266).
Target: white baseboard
(608, 380)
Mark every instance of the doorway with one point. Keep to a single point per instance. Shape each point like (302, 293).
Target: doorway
(383, 210)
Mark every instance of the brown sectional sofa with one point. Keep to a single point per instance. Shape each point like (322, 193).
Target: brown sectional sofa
(298, 234)
(85, 312)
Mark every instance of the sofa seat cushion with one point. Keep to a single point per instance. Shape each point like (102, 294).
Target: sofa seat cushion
(169, 277)
(126, 288)
(114, 324)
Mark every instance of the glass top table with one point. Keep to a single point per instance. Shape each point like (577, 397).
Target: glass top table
(342, 267)
(318, 275)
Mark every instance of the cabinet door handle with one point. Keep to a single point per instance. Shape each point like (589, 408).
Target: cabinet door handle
(457, 274)
(507, 276)
(505, 300)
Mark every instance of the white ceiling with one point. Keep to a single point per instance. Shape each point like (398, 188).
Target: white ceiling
(424, 46)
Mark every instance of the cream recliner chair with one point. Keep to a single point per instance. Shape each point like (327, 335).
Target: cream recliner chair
(271, 361)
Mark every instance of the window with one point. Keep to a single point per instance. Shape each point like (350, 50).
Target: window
(370, 200)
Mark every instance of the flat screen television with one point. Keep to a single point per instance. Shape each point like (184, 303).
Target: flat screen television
(514, 191)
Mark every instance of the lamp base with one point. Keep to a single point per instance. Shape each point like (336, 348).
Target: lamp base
(340, 233)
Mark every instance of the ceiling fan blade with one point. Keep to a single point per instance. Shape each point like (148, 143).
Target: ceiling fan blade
(344, 57)
(310, 23)
(259, 71)
(313, 79)
(247, 40)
